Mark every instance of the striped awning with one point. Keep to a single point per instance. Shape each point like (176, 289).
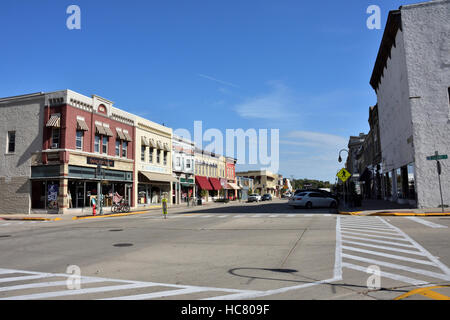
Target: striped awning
(166, 147)
(81, 125)
(120, 134)
(54, 121)
(127, 136)
(108, 131)
(233, 186)
(152, 143)
(159, 145)
(100, 129)
(144, 141)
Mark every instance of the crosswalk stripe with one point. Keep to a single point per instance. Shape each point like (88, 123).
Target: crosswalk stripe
(46, 284)
(23, 278)
(385, 247)
(373, 231)
(375, 236)
(388, 255)
(159, 294)
(387, 275)
(375, 226)
(379, 241)
(79, 291)
(426, 223)
(397, 266)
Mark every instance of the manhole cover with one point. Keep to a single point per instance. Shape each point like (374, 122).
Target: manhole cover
(123, 245)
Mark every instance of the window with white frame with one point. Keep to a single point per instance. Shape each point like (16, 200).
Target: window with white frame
(55, 138)
(97, 144)
(124, 149)
(117, 148)
(105, 144)
(79, 140)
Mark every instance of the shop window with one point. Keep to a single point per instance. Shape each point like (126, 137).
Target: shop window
(124, 149)
(11, 143)
(55, 138)
(79, 140)
(97, 144)
(105, 145)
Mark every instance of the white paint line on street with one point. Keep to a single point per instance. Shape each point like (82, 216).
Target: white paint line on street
(207, 216)
(372, 231)
(4, 224)
(426, 223)
(436, 261)
(274, 215)
(398, 267)
(359, 243)
(269, 292)
(355, 224)
(7, 271)
(338, 251)
(387, 275)
(374, 236)
(23, 278)
(239, 216)
(257, 216)
(379, 241)
(386, 255)
(224, 216)
(46, 284)
(159, 294)
(79, 291)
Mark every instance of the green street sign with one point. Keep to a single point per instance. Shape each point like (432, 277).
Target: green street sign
(439, 157)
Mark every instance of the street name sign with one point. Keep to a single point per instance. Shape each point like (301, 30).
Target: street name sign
(438, 157)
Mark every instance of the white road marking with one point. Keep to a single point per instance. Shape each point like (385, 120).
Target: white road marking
(384, 247)
(374, 236)
(380, 241)
(426, 223)
(372, 231)
(158, 294)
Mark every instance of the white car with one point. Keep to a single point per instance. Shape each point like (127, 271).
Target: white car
(254, 197)
(312, 199)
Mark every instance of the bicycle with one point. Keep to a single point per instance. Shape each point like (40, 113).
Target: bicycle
(120, 207)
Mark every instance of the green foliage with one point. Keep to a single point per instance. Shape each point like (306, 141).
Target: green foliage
(309, 183)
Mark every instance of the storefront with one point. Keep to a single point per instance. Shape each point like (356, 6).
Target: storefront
(153, 187)
(203, 187)
(83, 185)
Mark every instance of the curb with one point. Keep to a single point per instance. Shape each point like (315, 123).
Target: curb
(111, 215)
(398, 214)
(31, 219)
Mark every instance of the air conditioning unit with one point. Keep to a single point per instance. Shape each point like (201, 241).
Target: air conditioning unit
(55, 145)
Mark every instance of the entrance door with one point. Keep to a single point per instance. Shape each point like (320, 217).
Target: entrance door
(128, 193)
(79, 196)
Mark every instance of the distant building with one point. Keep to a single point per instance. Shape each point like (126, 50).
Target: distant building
(264, 181)
(411, 78)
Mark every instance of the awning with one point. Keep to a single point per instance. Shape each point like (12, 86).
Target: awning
(108, 131)
(54, 121)
(215, 183)
(81, 125)
(152, 143)
(155, 177)
(100, 129)
(166, 147)
(203, 183)
(233, 186)
(159, 145)
(144, 141)
(120, 134)
(127, 136)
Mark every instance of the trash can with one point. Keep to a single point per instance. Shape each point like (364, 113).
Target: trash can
(199, 202)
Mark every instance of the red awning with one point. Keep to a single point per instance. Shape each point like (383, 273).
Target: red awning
(215, 183)
(203, 183)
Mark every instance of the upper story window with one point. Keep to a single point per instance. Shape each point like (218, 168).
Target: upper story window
(124, 149)
(55, 138)
(97, 144)
(150, 154)
(165, 158)
(143, 152)
(188, 163)
(105, 145)
(11, 143)
(117, 148)
(158, 156)
(79, 140)
(177, 162)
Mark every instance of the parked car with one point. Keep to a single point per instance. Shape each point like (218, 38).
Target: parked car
(267, 197)
(311, 199)
(254, 197)
(328, 194)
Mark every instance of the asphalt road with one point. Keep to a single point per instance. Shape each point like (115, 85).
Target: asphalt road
(241, 251)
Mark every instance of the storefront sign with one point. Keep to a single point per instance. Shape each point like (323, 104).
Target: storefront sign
(155, 169)
(103, 162)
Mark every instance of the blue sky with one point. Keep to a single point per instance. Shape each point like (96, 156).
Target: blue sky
(302, 67)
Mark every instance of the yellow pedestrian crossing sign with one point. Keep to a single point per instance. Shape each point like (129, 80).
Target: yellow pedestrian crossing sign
(343, 175)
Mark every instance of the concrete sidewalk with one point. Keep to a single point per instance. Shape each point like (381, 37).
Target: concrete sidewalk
(387, 208)
(76, 215)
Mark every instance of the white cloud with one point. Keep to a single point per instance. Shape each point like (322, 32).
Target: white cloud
(277, 104)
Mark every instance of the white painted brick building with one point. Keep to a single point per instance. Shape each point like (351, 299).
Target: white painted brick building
(411, 78)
